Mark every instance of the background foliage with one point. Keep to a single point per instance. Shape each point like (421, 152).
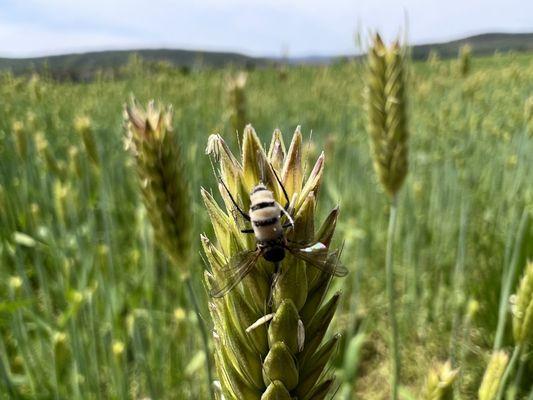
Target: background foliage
(90, 308)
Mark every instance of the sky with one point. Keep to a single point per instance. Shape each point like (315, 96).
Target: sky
(255, 27)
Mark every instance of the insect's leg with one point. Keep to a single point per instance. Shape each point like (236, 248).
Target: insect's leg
(271, 294)
(285, 194)
(247, 230)
(291, 221)
(245, 216)
(275, 279)
(278, 274)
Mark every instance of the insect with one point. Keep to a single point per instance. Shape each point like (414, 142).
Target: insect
(265, 216)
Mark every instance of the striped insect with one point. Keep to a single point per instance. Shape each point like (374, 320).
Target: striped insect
(266, 218)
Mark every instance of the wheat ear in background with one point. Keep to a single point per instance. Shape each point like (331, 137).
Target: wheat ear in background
(522, 318)
(236, 93)
(83, 126)
(439, 385)
(387, 127)
(281, 358)
(163, 183)
(386, 111)
(522, 309)
(464, 60)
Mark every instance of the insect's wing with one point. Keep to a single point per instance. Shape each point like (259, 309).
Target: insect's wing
(318, 256)
(234, 271)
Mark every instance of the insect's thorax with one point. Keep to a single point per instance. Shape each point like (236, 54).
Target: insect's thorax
(265, 215)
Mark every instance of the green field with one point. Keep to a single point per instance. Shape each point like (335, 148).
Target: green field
(90, 308)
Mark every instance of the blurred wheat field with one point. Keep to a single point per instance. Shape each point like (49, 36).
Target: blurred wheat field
(90, 308)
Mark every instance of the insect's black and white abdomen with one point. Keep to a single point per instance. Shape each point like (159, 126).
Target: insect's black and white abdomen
(265, 215)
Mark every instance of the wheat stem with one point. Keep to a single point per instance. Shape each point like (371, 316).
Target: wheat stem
(521, 367)
(459, 283)
(4, 374)
(395, 356)
(510, 276)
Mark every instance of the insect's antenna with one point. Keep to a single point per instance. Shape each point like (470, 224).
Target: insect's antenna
(219, 178)
(227, 191)
(239, 209)
(282, 187)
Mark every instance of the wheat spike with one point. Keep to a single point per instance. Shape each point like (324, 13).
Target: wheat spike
(83, 125)
(490, 384)
(440, 381)
(21, 139)
(163, 182)
(386, 109)
(269, 350)
(522, 309)
(237, 102)
(465, 60)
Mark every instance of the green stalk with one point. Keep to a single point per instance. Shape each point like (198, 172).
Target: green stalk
(395, 356)
(510, 276)
(141, 358)
(4, 375)
(520, 371)
(459, 292)
(203, 332)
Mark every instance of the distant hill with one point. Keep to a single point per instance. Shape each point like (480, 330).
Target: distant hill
(481, 45)
(484, 44)
(83, 66)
